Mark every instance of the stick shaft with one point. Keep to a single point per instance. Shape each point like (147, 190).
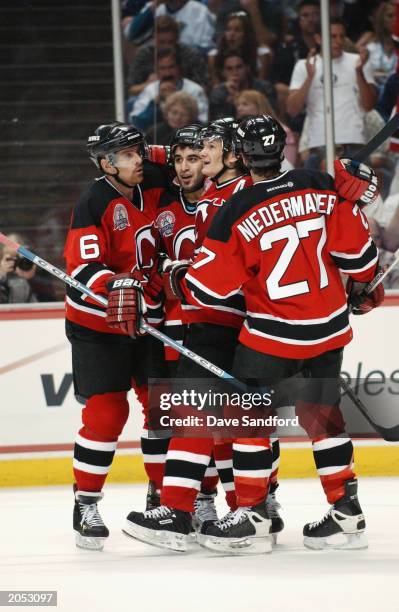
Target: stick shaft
(72, 282)
(382, 274)
(387, 131)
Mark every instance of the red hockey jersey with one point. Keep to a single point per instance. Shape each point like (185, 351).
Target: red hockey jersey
(232, 311)
(110, 234)
(284, 241)
(175, 232)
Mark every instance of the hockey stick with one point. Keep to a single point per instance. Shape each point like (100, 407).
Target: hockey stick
(72, 282)
(382, 274)
(391, 434)
(387, 131)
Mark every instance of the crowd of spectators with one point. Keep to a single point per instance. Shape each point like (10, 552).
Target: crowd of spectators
(198, 60)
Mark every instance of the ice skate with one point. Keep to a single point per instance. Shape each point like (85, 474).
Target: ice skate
(153, 499)
(204, 510)
(342, 527)
(273, 507)
(246, 531)
(87, 522)
(206, 526)
(163, 527)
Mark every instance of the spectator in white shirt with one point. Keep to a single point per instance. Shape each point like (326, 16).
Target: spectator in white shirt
(353, 90)
(197, 23)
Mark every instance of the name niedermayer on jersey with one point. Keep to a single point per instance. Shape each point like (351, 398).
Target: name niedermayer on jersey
(285, 209)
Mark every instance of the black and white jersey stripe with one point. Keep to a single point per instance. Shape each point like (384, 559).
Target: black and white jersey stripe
(234, 302)
(350, 263)
(299, 331)
(86, 274)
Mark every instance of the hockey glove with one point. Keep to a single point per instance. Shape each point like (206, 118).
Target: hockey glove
(360, 301)
(173, 274)
(151, 282)
(126, 304)
(356, 182)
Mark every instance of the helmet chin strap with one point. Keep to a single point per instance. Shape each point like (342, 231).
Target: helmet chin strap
(119, 180)
(219, 174)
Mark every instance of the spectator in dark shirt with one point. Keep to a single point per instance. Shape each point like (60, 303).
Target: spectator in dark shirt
(267, 17)
(240, 36)
(236, 77)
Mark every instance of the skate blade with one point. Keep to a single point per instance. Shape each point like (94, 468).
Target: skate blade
(340, 541)
(161, 539)
(274, 538)
(239, 546)
(89, 543)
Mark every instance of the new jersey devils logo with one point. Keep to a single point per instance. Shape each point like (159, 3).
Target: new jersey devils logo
(165, 223)
(121, 220)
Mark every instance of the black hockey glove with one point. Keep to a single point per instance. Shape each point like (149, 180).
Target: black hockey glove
(173, 274)
(360, 301)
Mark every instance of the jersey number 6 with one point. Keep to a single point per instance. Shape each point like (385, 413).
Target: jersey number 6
(89, 248)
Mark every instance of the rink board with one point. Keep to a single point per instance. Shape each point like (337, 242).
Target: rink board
(40, 416)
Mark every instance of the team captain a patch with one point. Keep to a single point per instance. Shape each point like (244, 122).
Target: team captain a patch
(165, 223)
(121, 220)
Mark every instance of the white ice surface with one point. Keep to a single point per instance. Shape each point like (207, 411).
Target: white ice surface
(37, 551)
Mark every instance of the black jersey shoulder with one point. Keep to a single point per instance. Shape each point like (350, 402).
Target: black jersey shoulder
(170, 195)
(156, 176)
(241, 202)
(174, 195)
(92, 204)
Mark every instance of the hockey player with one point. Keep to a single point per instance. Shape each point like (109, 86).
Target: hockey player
(109, 237)
(174, 232)
(213, 334)
(285, 241)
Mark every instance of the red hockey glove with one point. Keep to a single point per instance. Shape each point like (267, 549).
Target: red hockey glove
(356, 182)
(173, 273)
(360, 301)
(152, 280)
(126, 304)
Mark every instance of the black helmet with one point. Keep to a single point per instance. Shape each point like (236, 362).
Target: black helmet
(261, 139)
(187, 136)
(221, 128)
(113, 137)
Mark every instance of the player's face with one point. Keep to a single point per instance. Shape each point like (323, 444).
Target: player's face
(129, 162)
(188, 168)
(212, 156)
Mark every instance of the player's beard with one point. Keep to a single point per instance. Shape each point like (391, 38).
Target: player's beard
(196, 187)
